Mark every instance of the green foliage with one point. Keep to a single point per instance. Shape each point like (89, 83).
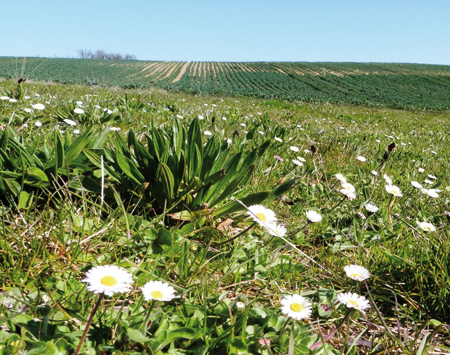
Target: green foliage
(167, 204)
(177, 171)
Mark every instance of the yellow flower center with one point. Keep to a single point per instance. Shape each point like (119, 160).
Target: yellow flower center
(157, 295)
(108, 280)
(356, 275)
(297, 307)
(353, 302)
(261, 216)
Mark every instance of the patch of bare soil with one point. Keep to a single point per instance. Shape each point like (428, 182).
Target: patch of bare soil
(181, 73)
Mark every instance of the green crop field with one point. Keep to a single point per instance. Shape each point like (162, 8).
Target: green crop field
(413, 86)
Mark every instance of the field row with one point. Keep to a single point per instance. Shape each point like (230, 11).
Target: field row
(394, 85)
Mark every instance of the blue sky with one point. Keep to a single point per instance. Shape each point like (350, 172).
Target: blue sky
(413, 31)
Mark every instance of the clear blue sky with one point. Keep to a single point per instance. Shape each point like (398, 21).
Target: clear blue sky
(414, 31)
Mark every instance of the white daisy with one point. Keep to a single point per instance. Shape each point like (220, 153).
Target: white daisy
(432, 177)
(313, 216)
(70, 122)
(38, 107)
(158, 291)
(262, 215)
(278, 139)
(240, 305)
(38, 124)
(371, 207)
(387, 179)
(296, 306)
(115, 129)
(4, 98)
(426, 226)
(374, 172)
(356, 272)
(301, 159)
(28, 110)
(428, 181)
(340, 177)
(207, 133)
(350, 195)
(361, 158)
(78, 111)
(416, 184)
(431, 192)
(348, 187)
(353, 300)
(421, 170)
(108, 279)
(294, 149)
(394, 190)
(277, 230)
(296, 162)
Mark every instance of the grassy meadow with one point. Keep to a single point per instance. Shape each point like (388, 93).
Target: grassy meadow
(155, 185)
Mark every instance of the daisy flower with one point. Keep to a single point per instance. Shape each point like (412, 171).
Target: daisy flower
(426, 226)
(207, 133)
(70, 122)
(108, 279)
(421, 170)
(371, 207)
(296, 162)
(262, 215)
(296, 306)
(387, 179)
(356, 272)
(394, 190)
(313, 216)
(278, 139)
(341, 178)
(347, 187)
(294, 149)
(276, 229)
(78, 111)
(374, 172)
(158, 291)
(431, 192)
(38, 107)
(361, 158)
(353, 300)
(416, 184)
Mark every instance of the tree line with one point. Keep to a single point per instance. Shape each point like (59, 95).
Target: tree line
(101, 54)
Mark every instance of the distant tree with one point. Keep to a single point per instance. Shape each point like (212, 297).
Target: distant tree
(84, 53)
(101, 54)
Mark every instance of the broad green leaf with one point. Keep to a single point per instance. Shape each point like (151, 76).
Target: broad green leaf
(36, 174)
(136, 335)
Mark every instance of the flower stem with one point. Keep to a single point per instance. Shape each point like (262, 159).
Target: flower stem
(147, 318)
(91, 318)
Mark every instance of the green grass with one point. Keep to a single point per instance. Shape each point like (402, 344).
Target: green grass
(58, 221)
